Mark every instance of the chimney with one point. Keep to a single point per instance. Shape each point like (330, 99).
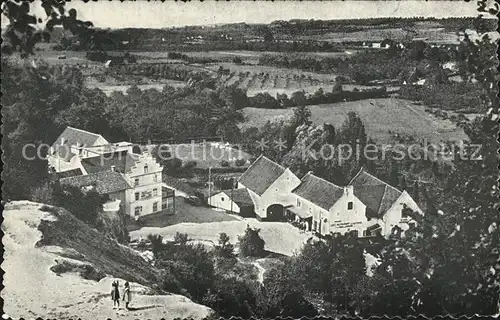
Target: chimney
(113, 168)
(63, 140)
(349, 190)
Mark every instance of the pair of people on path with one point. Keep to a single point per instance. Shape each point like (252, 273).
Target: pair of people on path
(115, 294)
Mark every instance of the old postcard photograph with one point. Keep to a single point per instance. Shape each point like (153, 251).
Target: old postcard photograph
(251, 159)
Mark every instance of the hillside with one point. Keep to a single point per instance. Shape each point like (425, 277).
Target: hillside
(378, 115)
(58, 267)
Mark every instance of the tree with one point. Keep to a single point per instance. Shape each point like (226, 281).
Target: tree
(156, 243)
(251, 243)
(451, 257)
(22, 33)
(337, 87)
(284, 296)
(301, 116)
(298, 98)
(224, 249)
(181, 238)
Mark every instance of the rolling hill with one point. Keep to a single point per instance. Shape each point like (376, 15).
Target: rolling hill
(378, 115)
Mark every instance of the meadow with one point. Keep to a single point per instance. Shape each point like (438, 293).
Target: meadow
(382, 119)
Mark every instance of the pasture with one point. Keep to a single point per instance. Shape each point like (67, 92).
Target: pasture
(378, 115)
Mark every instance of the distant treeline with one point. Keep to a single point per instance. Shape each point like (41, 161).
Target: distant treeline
(278, 36)
(369, 65)
(247, 45)
(300, 98)
(447, 96)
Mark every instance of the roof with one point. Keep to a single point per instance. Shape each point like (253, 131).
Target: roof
(105, 182)
(73, 136)
(239, 196)
(69, 173)
(319, 191)
(123, 162)
(261, 174)
(377, 195)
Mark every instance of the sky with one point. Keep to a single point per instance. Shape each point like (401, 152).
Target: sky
(156, 14)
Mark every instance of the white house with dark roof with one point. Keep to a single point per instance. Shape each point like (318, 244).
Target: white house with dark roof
(327, 208)
(367, 206)
(385, 205)
(233, 201)
(141, 171)
(79, 156)
(270, 187)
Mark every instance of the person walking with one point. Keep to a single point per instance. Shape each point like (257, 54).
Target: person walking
(127, 295)
(115, 294)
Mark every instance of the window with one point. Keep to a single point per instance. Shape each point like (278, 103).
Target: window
(136, 181)
(355, 233)
(164, 206)
(365, 233)
(146, 168)
(137, 196)
(155, 192)
(145, 194)
(222, 199)
(137, 210)
(155, 178)
(155, 206)
(350, 205)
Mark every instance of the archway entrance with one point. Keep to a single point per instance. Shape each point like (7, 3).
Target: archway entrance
(276, 212)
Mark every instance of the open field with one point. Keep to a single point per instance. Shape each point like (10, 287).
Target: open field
(430, 33)
(72, 57)
(280, 237)
(253, 56)
(378, 115)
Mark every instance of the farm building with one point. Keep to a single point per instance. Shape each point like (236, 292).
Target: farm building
(269, 185)
(366, 206)
(233, 201)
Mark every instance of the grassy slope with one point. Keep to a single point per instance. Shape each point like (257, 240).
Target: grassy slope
(68, 274)
(378, 115)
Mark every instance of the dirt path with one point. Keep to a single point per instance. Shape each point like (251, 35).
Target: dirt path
(260, 276)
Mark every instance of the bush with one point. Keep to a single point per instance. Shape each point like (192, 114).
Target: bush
(181, 238)
(224, 163)
(190, 164)
(156, 243)
(224, 249)
(251, 243)
(240, 162)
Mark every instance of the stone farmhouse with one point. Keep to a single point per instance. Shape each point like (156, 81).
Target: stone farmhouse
(270, 187)
(366, 206)
(87, 160)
